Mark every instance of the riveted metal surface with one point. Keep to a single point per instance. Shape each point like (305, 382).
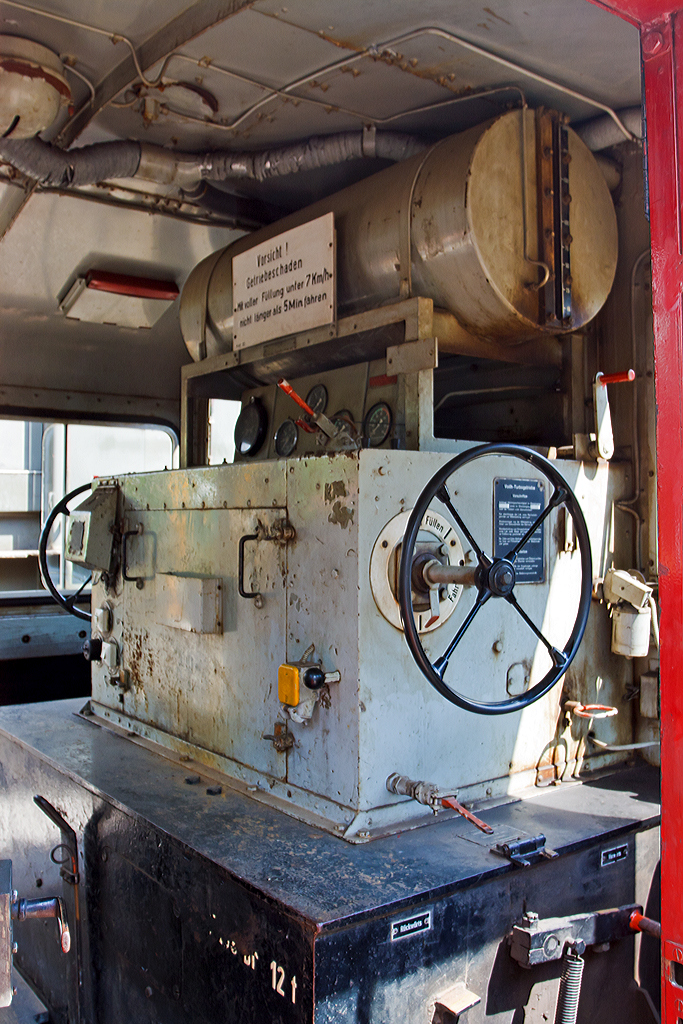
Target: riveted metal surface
(215, 697)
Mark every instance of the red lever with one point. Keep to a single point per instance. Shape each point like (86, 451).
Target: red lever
(455, 805)
(616, 378)
(289, 390)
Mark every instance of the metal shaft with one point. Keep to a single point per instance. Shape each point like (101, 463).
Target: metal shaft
(436, 574)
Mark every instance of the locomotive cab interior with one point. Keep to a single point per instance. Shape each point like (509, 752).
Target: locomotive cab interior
(366, 725)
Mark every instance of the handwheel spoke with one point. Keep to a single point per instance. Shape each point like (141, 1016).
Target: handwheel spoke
(71, 601)
(558, 657)
(441, 664)
(445, 498)
(559, 496)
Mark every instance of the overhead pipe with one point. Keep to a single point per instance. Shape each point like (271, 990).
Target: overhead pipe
(602, 132)
(89, 165)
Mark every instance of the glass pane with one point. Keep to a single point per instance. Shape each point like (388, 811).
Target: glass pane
(12, 444)
(105, 450)
(222, 418)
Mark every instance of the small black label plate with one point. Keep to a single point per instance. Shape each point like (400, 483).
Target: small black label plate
(411, 926)
(613, 855)
(516, 506)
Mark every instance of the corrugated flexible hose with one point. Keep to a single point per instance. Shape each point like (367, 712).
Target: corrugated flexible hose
(570, 988)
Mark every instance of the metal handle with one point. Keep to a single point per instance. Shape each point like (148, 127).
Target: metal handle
(240, 572)
(25, 910)
(137, 580)
(615, 378)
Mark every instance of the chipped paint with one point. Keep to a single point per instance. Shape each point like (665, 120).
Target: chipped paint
(341, 515)
(336, 489)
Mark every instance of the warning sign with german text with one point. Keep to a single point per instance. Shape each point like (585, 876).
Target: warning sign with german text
(284, 285)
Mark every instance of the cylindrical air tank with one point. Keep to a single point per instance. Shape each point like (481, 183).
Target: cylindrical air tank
(462, 224)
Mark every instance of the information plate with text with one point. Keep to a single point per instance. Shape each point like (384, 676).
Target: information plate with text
(517, 506)
(285, 285)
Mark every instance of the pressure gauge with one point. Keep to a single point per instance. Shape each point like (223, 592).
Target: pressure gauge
(343, 418)
(250, 429)
(317, 398)
(377, 424)
(286, 438)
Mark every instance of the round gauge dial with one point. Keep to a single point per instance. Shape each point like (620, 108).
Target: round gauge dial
(377, 424)
(343, 418)
(286, 438)
(317, 398)
(250, 429)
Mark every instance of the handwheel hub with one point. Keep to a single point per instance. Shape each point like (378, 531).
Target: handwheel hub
(501, 578)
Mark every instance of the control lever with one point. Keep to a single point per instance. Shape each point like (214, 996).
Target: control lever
(12, 908)
(338, 434)
(604, 438)
(26, 910)
(430, 795)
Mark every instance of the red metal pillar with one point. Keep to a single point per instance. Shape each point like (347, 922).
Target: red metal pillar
(661, 31)
(662, 47)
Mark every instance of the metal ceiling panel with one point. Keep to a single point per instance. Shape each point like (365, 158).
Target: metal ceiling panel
(134, 20)
(263, 48)
(373, 89)
(572, 41)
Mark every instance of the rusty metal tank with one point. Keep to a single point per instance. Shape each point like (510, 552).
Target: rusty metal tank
(509, 226)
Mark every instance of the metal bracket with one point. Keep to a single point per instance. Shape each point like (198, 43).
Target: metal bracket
(536, 941)
(524, 852)
(281, 738)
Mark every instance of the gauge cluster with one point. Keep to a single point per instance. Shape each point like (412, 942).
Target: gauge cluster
(362, 398)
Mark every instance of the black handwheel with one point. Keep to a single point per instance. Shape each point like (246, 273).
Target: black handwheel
(494, 578)
(68, 603)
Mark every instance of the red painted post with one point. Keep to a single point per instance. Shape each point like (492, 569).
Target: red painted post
(661, 46)
(661, 32)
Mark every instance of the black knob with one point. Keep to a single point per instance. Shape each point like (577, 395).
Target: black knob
(92, 649)
(314, 678)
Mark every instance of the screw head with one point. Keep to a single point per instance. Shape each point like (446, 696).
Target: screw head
(149, 992)
(15, 948)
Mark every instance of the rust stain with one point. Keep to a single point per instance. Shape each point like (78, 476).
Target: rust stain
(498, 17)
(337, 489)
(341, 515)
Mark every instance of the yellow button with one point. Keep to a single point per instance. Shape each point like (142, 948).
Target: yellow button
(288, 684)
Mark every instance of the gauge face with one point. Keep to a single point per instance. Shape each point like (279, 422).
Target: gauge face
(343, 418)
(286, 438)
(317, 398)
(250, 429)
(377, 424)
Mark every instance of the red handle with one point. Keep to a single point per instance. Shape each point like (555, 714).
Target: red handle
(616, 378)
(638, 923)
(289, 390)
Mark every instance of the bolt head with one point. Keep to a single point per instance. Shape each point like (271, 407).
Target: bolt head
(653, 43)
(15, 948)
